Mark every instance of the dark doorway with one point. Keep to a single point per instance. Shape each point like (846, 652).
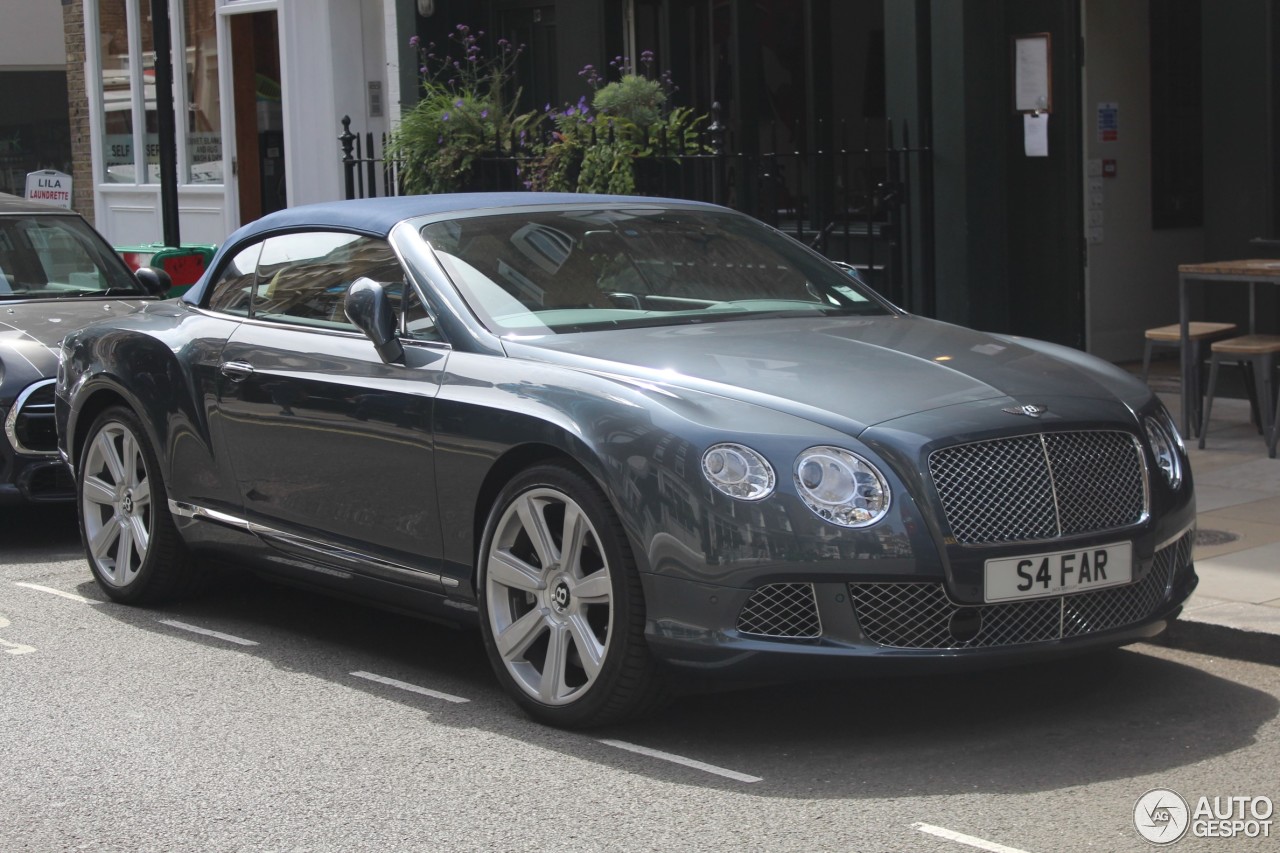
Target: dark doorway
(1046, 248)
(259, 115)
(534, 27)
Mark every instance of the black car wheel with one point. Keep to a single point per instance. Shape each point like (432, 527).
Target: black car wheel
(562, 610)
(134, 550)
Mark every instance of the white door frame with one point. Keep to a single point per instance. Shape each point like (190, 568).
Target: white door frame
(226, 87)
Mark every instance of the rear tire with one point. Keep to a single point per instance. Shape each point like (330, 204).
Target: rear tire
(135, 552)
(561, 606)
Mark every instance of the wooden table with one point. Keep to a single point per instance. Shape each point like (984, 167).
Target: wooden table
(1247, 272)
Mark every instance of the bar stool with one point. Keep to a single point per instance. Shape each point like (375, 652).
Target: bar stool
(1256, 354)
(1171, 336)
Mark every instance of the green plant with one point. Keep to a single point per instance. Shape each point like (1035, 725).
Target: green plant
(593, 147)
(464, 113)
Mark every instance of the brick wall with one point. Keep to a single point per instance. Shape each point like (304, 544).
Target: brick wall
(78, 109)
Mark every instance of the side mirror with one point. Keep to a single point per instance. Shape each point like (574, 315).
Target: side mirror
(369, 308)
(154, 281)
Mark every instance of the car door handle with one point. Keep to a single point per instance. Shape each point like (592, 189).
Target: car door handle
(236, 371)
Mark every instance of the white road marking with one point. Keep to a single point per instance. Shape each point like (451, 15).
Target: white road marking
(412, 688)
(961, 838)
(218, 634)
(680, 759)
(70, 596)
(16, 648)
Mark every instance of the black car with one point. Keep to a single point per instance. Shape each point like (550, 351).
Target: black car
(627, 437)
(56, 274)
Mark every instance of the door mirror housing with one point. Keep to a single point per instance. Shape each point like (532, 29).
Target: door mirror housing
(369, 308)
(155, 282)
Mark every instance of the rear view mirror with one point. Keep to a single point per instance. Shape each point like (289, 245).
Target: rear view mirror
(154, 281)
(369, 308)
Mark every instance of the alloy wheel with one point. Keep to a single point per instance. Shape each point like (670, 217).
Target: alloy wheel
(116, 504)
(550, 595)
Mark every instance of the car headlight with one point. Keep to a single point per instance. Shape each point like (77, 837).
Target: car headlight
(841, 487)
(738, 471)
(1163, 446)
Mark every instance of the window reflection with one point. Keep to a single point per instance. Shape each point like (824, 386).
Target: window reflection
(198, 107)
(117, 92)
(204, 113)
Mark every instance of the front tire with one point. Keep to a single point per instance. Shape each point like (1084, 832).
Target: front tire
(134, 550)
(562, 610)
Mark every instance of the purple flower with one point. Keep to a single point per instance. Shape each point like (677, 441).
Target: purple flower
(570, 111)
(414, 41)
(458, 102)
(422, 69)
(444, 117)
(484, 114)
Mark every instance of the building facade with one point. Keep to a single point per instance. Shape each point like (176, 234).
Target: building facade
(1156, 142)
(258, 87)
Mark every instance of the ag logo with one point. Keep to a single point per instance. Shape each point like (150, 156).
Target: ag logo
(1161, 816)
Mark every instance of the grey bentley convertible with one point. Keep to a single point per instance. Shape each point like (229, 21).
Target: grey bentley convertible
(627, 437)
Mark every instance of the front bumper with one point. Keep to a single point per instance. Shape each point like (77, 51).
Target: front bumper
(859, 627)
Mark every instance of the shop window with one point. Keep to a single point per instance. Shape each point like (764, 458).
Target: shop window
(117, 78)
(130, 150)
(204, 110)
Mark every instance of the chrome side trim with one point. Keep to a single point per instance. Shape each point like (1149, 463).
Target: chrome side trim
(188, 510)
(11, 422)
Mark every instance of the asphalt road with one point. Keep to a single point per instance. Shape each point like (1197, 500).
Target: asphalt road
(341, 729)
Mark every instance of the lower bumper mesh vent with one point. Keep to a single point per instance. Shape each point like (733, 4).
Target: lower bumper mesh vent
(922, 615)
(786, 610)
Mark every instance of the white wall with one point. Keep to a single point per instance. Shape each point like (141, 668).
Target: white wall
(322, 85)
(31, 36)
(1132, 278)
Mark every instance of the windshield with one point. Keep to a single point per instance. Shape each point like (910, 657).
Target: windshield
(43, 257)
(550, 272)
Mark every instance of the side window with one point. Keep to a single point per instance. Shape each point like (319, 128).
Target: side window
(233, 292)
(303, 278)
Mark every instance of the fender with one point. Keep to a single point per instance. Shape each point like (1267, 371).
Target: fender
(101, 364)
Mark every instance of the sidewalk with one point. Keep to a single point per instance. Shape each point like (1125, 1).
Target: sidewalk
(1235, 612)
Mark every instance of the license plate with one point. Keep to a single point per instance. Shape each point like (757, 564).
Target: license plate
(1058, 573)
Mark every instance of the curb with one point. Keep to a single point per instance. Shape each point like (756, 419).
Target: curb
(1222, 641)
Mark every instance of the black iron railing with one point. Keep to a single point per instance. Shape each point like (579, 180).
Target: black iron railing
(868, 206)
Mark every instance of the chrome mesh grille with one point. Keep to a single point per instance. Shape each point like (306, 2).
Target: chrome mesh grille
(922, 616)
(785, 610)
(1038, 487)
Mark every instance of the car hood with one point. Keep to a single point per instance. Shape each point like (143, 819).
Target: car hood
(32, 330)
(861, 369)
(50, 320)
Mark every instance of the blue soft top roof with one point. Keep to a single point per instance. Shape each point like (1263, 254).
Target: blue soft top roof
(377, 216)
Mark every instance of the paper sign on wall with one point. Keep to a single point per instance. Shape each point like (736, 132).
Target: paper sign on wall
(1035, 134)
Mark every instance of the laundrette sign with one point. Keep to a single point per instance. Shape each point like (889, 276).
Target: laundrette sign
(50, 187)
